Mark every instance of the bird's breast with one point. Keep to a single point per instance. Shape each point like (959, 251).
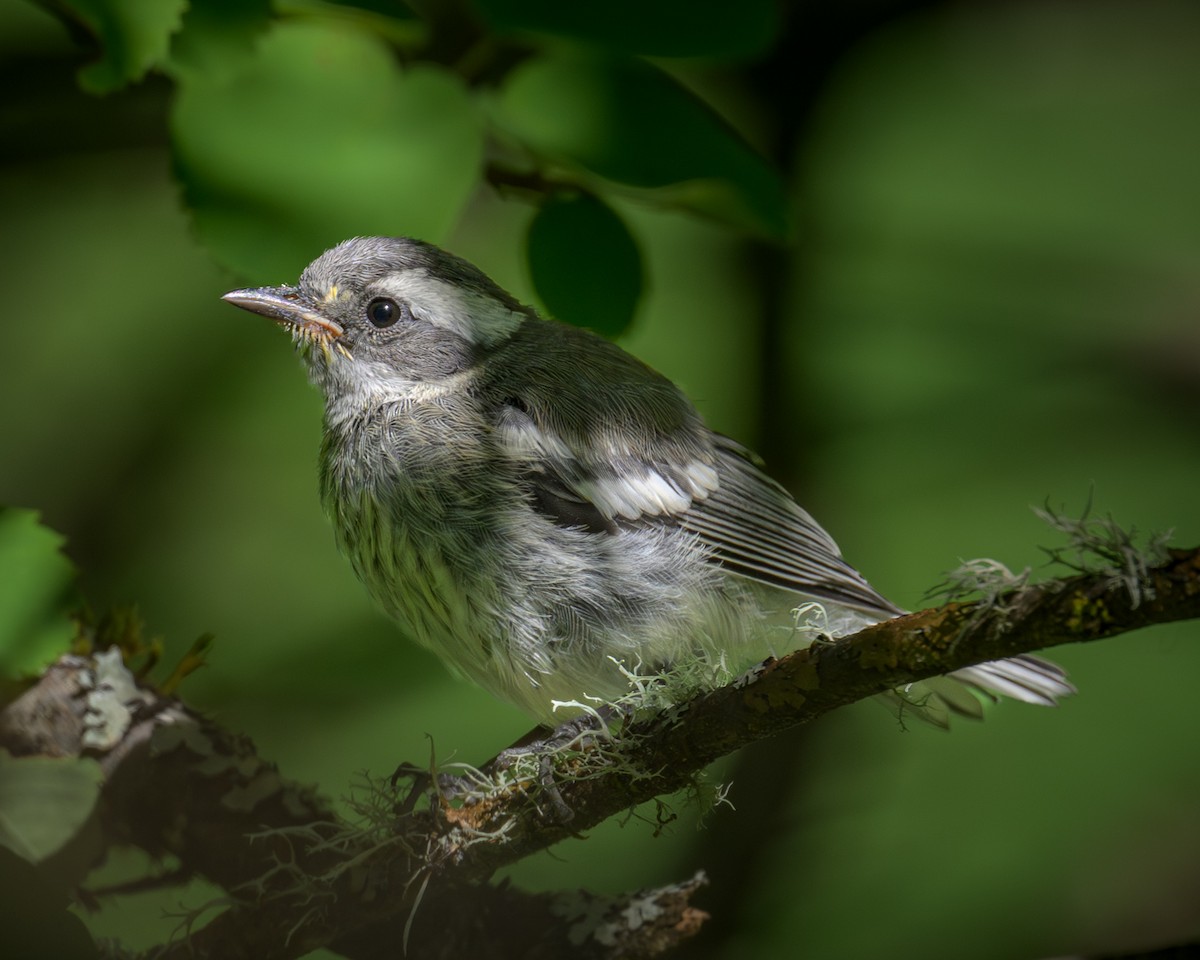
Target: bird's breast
(412, 495)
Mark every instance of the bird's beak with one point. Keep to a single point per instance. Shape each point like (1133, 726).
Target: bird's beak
(289, 309)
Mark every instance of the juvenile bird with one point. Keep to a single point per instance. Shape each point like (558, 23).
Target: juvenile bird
(545, 512)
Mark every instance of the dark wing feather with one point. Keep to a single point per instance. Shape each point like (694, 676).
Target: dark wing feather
(554, 498)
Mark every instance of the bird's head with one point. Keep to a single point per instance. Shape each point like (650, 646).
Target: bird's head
(388, 317)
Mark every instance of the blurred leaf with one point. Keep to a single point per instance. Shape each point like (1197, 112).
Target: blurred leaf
(216, 33)
(392, 9)
(34, 577)
(628, 121)
(133, 34)
(585, 264)
(44, 801)
(318, 137)
(392, 20)
(669, 29)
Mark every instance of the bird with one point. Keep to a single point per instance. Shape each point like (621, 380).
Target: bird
(547, 513)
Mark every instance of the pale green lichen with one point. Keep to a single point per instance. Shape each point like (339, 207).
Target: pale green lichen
(113, 695)
(613, 921)
(651, 693)
(1095, 546)
(171, 736)
(1099, 545)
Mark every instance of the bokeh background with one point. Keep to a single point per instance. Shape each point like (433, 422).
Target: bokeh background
(986, 297)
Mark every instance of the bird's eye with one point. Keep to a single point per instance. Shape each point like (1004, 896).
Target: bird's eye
(383, 313)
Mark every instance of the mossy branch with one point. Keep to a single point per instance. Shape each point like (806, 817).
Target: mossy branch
(809, 683)
(301, 877)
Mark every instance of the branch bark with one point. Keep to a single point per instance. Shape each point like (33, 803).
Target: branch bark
(809, 683)
(300, 877)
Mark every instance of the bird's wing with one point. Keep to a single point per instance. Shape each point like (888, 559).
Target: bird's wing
(602, 438)
(755, 528)
(748, 522)
(600, 486)
(610, 443)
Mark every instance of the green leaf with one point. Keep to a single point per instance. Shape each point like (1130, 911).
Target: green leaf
(585, 265)
(134, 36)
(390, 10)
(34, 582)
(317, 137)
(628, 121)
(216, 33)
(668, 28)
(44, 801)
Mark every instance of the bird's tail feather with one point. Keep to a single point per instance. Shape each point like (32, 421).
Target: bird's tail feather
(1027, 678)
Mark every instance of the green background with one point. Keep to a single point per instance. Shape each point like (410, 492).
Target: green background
(989, 298)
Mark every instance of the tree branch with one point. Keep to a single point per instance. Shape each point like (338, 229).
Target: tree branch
(671, 748)
(301, 877)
